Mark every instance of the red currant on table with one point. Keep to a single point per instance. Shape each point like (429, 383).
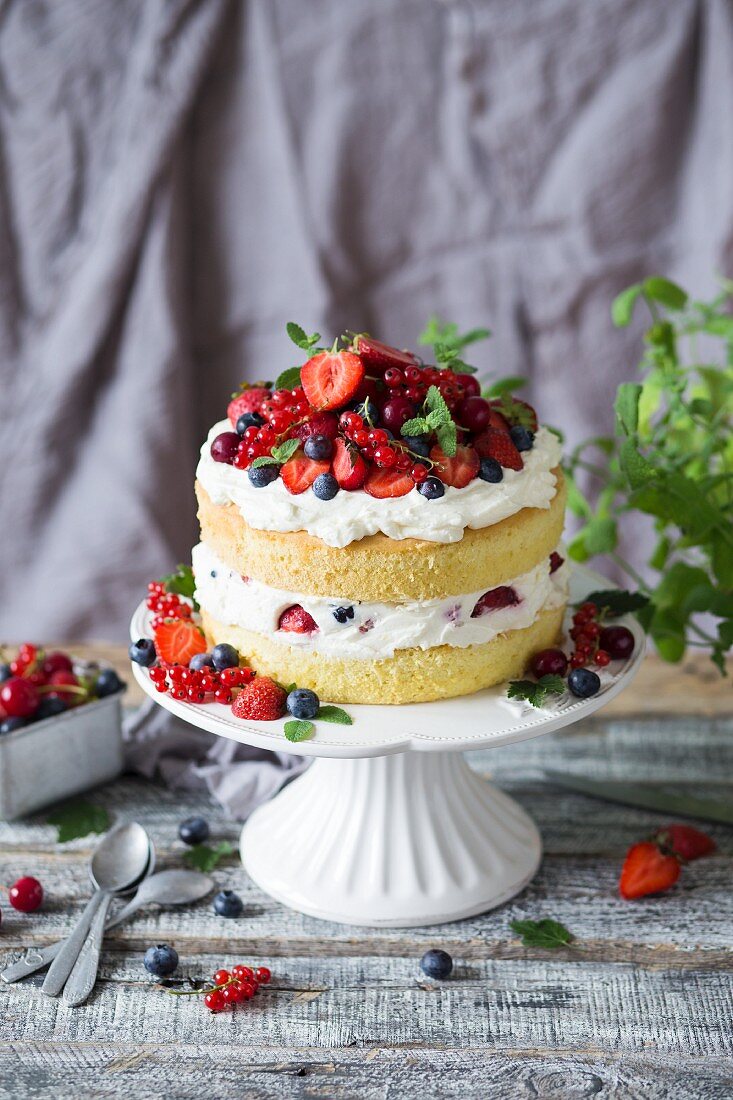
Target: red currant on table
(234, 993)
(243, 973)
(602, 658)
(26, 895)
(262, 974)
(215, 1001)
(221, 977)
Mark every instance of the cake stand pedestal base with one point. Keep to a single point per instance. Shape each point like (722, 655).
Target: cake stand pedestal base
(413, 838)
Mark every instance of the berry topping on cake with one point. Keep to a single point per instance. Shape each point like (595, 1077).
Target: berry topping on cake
(296, 620)
(248, 400)
(299, 472)
(383, 483)
(522, 438)
(319, 424)
(318, 447)
(343, 614)
(177, 640)
(263, 701)
(331, 379)
(378, 356)
(348, 467)
(555, 561)
(432, 488)
(497, 444)
(516, 412)
(459, 470)
(325, 486)
(503, 596)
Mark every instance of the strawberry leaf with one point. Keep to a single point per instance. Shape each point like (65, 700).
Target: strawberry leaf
(298, 730)
(504, 385)
(542, 933)
(201, 857)
(535, 692)
(77, 819)
(330, 713)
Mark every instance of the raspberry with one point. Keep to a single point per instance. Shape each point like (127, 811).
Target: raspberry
(262, 700)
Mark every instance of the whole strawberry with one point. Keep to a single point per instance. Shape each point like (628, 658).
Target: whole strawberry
(685, 841)
(263, 700)
(247, 400)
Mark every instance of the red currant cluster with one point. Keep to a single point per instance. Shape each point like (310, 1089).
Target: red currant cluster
(204, 685)
(235, 987)
(166, 605)
(284, 407)
(254, 443)
(585, 632)
(412, 384)
(376, 446)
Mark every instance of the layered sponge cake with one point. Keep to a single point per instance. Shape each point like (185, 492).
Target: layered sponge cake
(376, 530)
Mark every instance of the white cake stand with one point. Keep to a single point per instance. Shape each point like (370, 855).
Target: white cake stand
(390, 826)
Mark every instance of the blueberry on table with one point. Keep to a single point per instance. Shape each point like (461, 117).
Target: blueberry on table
(161, 960)
(228, 904)
(490, 470)
(260, 476)
(583, 683)
(108, 683)
(194, 830)
(303, 703)
(522, 438)
(325, 486)
(142, 652)
(436, 963)
(431, 487)
(224, 656)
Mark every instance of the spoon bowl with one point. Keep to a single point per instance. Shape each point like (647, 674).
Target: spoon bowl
(122, 858)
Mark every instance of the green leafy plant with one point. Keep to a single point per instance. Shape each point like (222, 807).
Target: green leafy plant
(449, 344)
(670, 459)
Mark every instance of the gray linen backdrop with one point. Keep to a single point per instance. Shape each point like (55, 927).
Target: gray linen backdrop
(178, 179)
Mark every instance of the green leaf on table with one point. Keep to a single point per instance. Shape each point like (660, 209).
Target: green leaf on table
(330, 713)
(617, 601)
(536, 691)
(202, 857)
(542, 933)
(182, 582)
(289, 379)
(298, 730)
(623, 305)
(78, 818)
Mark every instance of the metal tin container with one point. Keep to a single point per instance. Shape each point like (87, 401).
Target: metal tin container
(47, 761)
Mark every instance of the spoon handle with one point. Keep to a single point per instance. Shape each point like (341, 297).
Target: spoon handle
(63, 964)
(81, 981)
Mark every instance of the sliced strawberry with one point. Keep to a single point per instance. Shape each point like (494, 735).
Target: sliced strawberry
(296, 620)
(517, 412)
(378, 356)
(248, 401)
(493, 443)
(387, 483)
(331, 379)
(177, 640)
(300, 472)
(503, 596)
(685, 841)
(647, 870)
(319, 424)
(347, 465)
(459, 470)
(496, 420)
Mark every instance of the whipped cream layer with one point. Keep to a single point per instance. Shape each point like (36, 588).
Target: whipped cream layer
(376, 629)
(352, 515)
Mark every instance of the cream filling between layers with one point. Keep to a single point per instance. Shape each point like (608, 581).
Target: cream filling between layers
(352, 515)
(376, 629)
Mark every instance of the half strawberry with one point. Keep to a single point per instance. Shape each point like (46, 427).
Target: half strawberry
(178, 640)
(387, 483)
(300, 472)
(494, 443)
(378, 356)
(331, 379)
(347, 465)
(458, 471)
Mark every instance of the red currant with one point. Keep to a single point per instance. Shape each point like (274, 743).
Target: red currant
(243, 973)
(234, 993)
(385, 456)
(549, 662)
(403, 461)
(361, 438)
(602, 658)
(263, 975)
(393, 377)
(214, 1001)
(350, 422)
(26, 894)
(20, 699)
(471, 386)
(577, 660)
(222, 695)
(221, 977)
(413, 376)
(248, 990)
(418, 473)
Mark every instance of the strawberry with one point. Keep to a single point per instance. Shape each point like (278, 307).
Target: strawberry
(263, 700)
(347, 465)
(517, 412)
(496, 420)
(503, 596)
(300, 472)
(296, 620)
(494, 443)
(177, 640)
(647, 869)
(319, 424)
(378, 356)
(382, 483)
(555, 561)
(685, 841)
(459, 470)
(331, 379)
(248, 401)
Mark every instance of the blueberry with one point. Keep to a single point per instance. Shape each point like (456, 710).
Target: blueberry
(522, 438)
(224, 656)
(161, 960)
(325, 486)
(418, 444)
(49, 708)
(583, 683)
(367, 410)
(9, 724)
(303, 703)
(260, 476)
(108, 683)
(318, 447)
(142, 652)
(490, 470)
(249, 420)
(343, 614)
(431, 487)
(194, 830)
(228, 904)
(201, 660)
(5, 672)
(436, 963)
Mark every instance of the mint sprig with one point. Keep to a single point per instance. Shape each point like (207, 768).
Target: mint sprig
(436, 418)
(536, 691)
(279, 454)
(448, 344)
(289, 379)
(301, 339)
(330, 713)
(542, 933)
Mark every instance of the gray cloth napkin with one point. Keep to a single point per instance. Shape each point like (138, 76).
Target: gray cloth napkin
(240, 777)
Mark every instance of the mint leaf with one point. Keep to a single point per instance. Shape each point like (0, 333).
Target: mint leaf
(616, 601)
(542, 933)
(417, 426)
(298, 730)
(666, 292)
(535, 692)
(201, 857)
(264, 460)
(447, 438)
(285, 450)
(301, 339)
(504, 385)
(330, 713)
(182, 582)
(626, 406)
(623, 305)
(434, 419)
(77, 819)
(289, 379)
(516, 412)
(435, 402)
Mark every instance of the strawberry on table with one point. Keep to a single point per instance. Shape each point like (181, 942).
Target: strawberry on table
(458, 471)
(647, 869)
(685, 841)
(347, 465)
(299, 472)
(248, 401)
(383, 483)
(178, 640)
(378, 356)
(494, 443)
(331, 379)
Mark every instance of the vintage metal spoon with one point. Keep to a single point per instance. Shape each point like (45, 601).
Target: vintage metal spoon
(166, 888)
(118, 862)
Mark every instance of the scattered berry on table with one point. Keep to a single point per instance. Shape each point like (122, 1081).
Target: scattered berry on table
(18, 698)
(249, 420)
(617, 641)
(503, 596)
(49, 707)
(66, 686)
(224, 448)
(490, 470)
(215, 1001)
(318, 447)
(343, 614)
(685, 841)
(221, 977)
(436, 963)
(194, 830)
(296, 620)
(224, 656)
(142, 652)
(648, 869)
(228, 904)
(549, 662)
(584, 683)
(303, 703)
(243, 973)
(522, 438)
(26, 895)
(432, 488)
(325, 486)
(160, 960)
(261, 476)
(263, 700)
(9, 725)
(177, 640)
(108, 683)
(263, 975)
(56, 661)
(200, 661)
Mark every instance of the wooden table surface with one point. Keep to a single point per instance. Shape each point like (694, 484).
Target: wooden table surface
(641, 1006)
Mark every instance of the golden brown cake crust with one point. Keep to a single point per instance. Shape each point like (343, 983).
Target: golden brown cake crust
(380, 568)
